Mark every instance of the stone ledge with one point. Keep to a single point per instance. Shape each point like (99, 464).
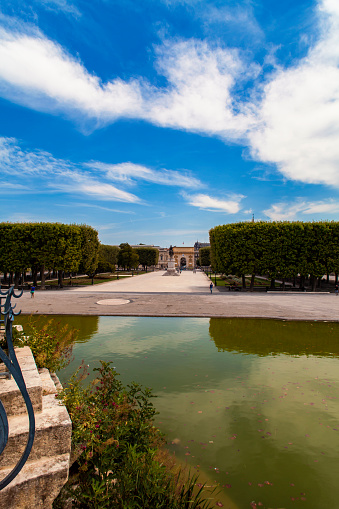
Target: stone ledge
(10, 394)
(53, 429)
(37, 485)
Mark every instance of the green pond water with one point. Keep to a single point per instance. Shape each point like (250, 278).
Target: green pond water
(250, 404)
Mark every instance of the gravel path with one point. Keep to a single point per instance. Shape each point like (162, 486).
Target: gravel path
(153, 294)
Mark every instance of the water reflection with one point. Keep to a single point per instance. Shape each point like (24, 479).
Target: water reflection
(251, 403)
(273, 337)
(86, 325)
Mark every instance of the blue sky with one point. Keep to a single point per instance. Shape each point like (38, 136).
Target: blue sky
(156, 120)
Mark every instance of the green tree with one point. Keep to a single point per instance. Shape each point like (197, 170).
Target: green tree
(205, 256)
(278, 249)
(148, 256)
(127, 257)
(108, 258)
(89, 250)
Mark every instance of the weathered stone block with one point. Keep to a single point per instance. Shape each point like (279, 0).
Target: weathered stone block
(10, 394)
(37, 485)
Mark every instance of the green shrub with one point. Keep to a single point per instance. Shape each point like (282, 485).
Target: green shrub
(51, 343)
(118, 448)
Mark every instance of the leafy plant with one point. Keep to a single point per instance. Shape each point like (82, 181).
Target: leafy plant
(118, 449)
(51, 343)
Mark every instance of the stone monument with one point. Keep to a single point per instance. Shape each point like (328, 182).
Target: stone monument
(171, 271)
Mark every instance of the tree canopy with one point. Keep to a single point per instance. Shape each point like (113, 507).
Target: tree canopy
(278, 249)
(205, 256)
(148, 256)
(41, 246)
(127, 257)
(108, 258)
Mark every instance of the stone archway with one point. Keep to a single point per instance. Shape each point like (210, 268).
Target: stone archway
(183, 262)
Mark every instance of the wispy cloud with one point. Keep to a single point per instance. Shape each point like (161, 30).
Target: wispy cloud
(205, 202)
(63, 6)
(94, 206)
(288, 211)
(130, 172)
(93, 179)
(35, 168)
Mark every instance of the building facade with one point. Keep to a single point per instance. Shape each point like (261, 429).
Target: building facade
(197, 246)
(184, 257)
(163, 258)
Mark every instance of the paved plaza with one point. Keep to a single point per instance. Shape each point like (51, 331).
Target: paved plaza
(153, 294)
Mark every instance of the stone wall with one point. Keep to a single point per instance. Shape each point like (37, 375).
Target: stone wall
(46, 470)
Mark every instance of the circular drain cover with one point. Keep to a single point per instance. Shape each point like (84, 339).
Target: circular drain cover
(113, 302)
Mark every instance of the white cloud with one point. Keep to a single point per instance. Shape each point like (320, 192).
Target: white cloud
(205, 202)
(294, 125)
(60, 5)
(39, 73)
(288, 211)
(128, 172)
(92, 187)
(41, 171)
(299, 114)
(43, 76)
(198, 96)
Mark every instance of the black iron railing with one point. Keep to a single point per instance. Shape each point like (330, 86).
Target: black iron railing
(10, 361)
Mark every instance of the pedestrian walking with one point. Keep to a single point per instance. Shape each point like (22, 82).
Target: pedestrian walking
(211, 286)
(32, 292)
(336, 290)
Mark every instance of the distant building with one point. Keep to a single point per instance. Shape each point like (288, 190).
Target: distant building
(163, 258)
(197, 246)
(184, 257)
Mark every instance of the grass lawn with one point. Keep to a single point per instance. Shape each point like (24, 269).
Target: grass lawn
(86, 281)
(230, 280)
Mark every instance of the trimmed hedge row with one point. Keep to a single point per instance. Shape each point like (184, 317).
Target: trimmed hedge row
(41, 246)
(278, 249)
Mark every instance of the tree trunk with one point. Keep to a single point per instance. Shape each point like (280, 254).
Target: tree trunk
(336, 278)
(35, 276)
(42, 277)
(272, 287)
(327, 277)
(60, 278)
(10, 278)
(16, 279)
(283, 283)
(243, 281)
(252, 282)
(302, 281)
(294, 281)
(313, 282)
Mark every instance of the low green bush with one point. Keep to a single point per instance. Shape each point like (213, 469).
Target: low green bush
(118, 449)
(51, 343)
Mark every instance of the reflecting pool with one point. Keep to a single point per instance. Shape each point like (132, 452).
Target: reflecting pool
(250, 404)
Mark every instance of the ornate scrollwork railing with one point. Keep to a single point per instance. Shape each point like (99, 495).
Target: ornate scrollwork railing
(13, 369)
